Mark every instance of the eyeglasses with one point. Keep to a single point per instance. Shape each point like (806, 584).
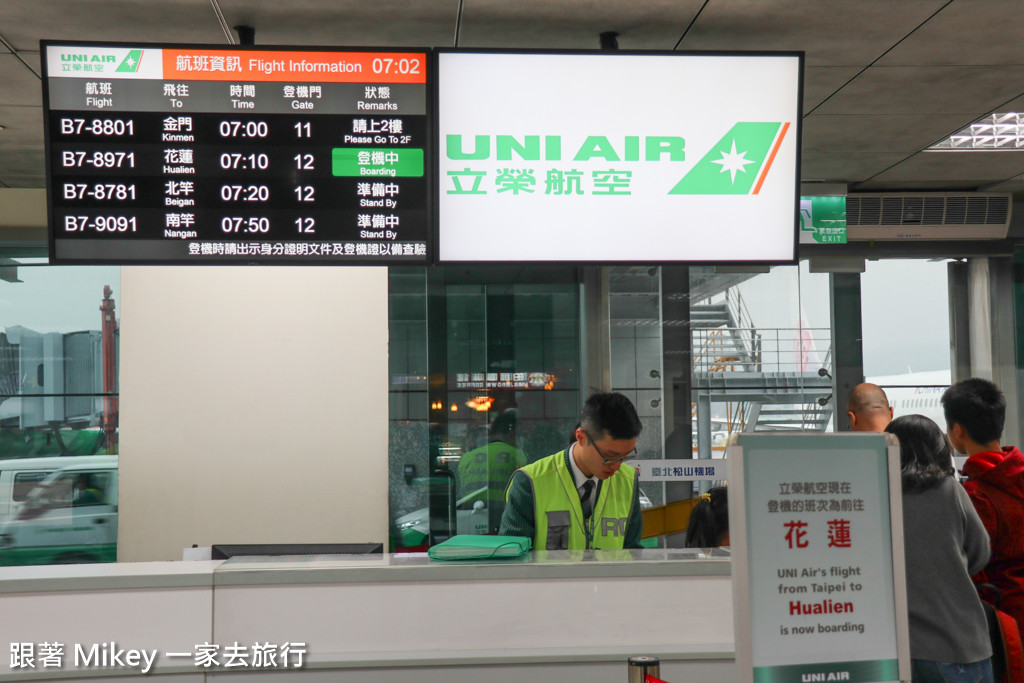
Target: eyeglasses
(632, 455)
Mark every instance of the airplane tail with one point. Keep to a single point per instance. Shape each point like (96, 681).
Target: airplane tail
(807, 352)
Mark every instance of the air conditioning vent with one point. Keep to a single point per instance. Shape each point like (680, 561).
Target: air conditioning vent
(892, 211)
(935, 216)
(863, 211)
(934, 211)
(912, 210)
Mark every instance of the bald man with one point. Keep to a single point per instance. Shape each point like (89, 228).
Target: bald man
(868, 408)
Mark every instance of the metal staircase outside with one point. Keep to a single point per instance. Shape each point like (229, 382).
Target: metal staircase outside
(766, 377)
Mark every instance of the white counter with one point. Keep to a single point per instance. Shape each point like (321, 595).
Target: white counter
(555, 616)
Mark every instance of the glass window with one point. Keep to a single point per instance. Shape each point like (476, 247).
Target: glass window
(635, 347)
(70, 518)
(58, 398)
(762, 345)
(25, 482)
(701, 352)
(905, 324)
(409, 427)
(905, 317)
(501, 350)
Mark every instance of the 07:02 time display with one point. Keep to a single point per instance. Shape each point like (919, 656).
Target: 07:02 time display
(387, 65)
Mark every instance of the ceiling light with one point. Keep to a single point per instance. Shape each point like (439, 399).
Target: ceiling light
(1000, 132)
(480, 404)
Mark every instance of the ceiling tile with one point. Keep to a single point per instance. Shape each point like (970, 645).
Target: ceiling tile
(24, 181)
(1016, 104)
(20, 181)
(575, 24)
(1013, 185)
(962, 34)
(973, 90)
(25, 22)
(905, 133)
(346, 22)
(23, 126)
(980, 167)
(831, 32)
(19, 162)
(920, 186)
(18, 85)
(821, 81)
(33, 60)
(883, 79)
(848, 167)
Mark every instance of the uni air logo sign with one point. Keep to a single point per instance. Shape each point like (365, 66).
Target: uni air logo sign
(736, 164)
(100, 62)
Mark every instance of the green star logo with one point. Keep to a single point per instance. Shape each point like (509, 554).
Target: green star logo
(131, 62)
(738, 163)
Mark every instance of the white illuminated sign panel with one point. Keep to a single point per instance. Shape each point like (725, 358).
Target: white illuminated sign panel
(819, 588)
(617, 157)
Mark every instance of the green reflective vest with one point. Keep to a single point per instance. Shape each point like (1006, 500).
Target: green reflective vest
(558, 517)
(485, 471)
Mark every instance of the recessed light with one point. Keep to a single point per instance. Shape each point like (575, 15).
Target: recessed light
(999, 132)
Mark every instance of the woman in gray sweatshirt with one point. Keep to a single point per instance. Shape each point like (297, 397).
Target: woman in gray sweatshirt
(944, 542)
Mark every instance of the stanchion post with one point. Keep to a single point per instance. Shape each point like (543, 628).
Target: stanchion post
(640, 667)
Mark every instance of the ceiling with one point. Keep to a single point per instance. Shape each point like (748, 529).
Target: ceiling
(883, 81)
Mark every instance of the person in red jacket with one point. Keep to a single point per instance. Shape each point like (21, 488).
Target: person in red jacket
(975, 410)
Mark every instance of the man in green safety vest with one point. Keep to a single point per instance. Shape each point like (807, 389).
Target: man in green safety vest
(585, 496)
(484, 472)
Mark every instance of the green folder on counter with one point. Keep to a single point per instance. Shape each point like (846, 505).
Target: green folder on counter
(473, 547)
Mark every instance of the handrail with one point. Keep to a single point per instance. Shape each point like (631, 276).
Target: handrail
(777, 349)
(740, 346)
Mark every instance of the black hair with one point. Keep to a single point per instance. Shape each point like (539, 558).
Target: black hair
(925, 454)
(709, 519)
(610, 413)
(978, 406)
(505, 423)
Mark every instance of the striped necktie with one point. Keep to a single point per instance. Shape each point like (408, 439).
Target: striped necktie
(585, 500)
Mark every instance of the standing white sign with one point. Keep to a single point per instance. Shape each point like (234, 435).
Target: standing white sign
(818, 568)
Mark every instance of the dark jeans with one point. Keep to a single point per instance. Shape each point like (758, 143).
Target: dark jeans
(927, 671)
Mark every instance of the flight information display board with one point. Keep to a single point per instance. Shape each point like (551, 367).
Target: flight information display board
(200, 154)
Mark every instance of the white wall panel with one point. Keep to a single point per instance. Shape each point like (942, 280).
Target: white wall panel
(253, 407)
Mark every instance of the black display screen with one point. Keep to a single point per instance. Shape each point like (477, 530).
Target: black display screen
(196, 154)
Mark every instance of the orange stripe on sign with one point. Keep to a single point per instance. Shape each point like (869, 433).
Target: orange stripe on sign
(294, 66)
(771, 157)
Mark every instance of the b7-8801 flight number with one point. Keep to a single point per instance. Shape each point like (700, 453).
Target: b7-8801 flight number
(97, 126)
